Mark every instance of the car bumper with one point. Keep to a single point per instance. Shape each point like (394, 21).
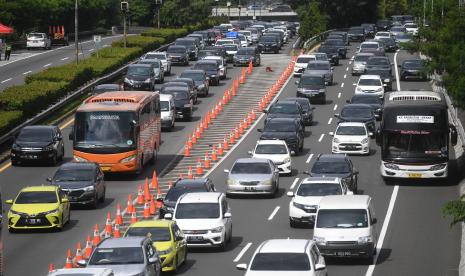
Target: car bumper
(31, 155)
(358, 70)
(36, 222)
(256, 189)
(416, 172)
(413, 75)
(80, 196)
(347, 251)
(178, 60)
(138, 86)
(285, 168)
(241, 62)
(311, 96)
(351, 148)
(356, 38)
(168, 261)
(299, 215)
(183, 112)
(204, 240)
(379, 94)
(40, 44)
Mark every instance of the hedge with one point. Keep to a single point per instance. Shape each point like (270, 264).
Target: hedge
(10, 119)
(168, 34)
(144, 42)
(73, 74)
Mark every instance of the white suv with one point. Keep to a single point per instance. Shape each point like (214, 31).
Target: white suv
(301, 63)
(370, 84)
(297, 257)
(276, 151)
(305, 201)
(205, 219)
(351, 138)
(163, 57)
(38, 40)
(378, 35)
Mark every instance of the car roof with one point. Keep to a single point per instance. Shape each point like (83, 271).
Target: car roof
(285, 246)
(286, 101)
(365, 54)
(271, 142)
(351, 124)
(306, 56)
(40, 127)
(152, 223)
(318, 179)
(181, 80)
(122, 242)
(194, 181)
(198, 71)
(331, 157)
(370, 77)
(283, 120)
(41, 188)
(177, 46)
(345, 202)
(251, 160)
(212, 58)
(319, 61)
(177, 88)
(78, 165)
(166, 97)
(202, 197)
(109, 85)
(140, 65)
(357, 106)
(207, 61)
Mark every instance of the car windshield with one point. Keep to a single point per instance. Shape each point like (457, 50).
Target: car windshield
(319, 189)
(280, 262)
(400, 145)
(321, 56)
(387, 40)
(397, 29)
(356, 112)
(305, 59)
(267, 39)
(178, 95)
(314, 80)
(117, 256)
(379, 72)
(155, 56)
(205, 66)
(369, 46)
(335, 167)
(362, 58)
(383, 34)
(251, 168)
(194, 76)
(351, 130)
(35, 135)
(369, 82)
(246, 52)
(224, 42)
(378, 61)
(342, 218)
(231, 47)
(334, 42)
(156, 64)
(356, 31)
(270, 149)
(156, 234)
(36, 197)
(403, 36)
(35, 35)
(284, 109)
(413, 64)
(164, 106)
(74, 175)
(175, 192)
(136, 71)
(318, 66)
(411, 26)
(183, 42)
(279, 127)
(176, 50)
(197, 211)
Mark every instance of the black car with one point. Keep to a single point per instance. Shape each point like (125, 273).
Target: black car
(191, 45)
(245, 55)
(340, 44)
(211, 69)
(268, 43)
(207, 53)
(369, 29)
(356, 34)
(107, 87)
(38, 144)
(182, 101)
(178, 54)
(184, 186)
(306, 107)
(386, 77)
(390, 44)
(379, 62)
(177, 83)
(332, 53)
(358, 113)
(287, 129)
(285, 109)
(336, 165)
(140, 77)
(218, 50)
(82, 181)
(312, 87)
(383, 25)
(342, 34)
(374, 101)
(158, 70)
(413, 68)
(200, 79)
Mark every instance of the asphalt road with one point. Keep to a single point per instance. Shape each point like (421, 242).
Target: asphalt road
(418, 239)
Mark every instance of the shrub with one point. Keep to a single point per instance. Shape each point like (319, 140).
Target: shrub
(144, 42)
(74, 75)
(168, 34)
(9, 119)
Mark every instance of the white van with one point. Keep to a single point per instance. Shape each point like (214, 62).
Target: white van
(345, 227)
(168, 111)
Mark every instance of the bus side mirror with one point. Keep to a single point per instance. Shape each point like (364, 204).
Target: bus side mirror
(378, 137)
(453, 135)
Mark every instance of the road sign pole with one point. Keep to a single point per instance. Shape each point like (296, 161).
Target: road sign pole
(76, 30)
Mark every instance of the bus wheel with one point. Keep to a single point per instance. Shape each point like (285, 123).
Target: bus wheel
(155, 155)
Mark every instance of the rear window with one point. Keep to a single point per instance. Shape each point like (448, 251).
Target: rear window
(280, 262)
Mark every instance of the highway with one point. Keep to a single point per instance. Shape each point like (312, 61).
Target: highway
(417, 240)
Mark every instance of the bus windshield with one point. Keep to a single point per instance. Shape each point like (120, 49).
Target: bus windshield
(407, 145)
(103, 129)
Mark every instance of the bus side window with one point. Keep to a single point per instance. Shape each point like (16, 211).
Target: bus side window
(156, 106)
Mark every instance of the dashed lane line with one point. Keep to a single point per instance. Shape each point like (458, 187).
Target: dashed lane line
(347, 69)
(335, 107)
(47, 65)
(345, 76)
(309, 158)
(330, 121)
(276, 209)
(65, 58)
(6, 80)
(28, 72)
(296, 180)
(397, 71)
(339, 95)
(239, 256)
(321, 137)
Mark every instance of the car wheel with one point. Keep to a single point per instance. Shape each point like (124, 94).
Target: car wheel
(14, 163)
(94, 202)
(11, 230)
(301, 147)
(63, 154)
(102, 198)
(224, 244)
(54, 160)
(292, 223)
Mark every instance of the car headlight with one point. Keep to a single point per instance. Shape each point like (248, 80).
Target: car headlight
(322, 91)
(298, 205)
(335, 140)
(187, 105)
(218, 229)
(391, 166)
(147, 80)
(48, 148)
(15, 147)
(202, 86)
(346, 180)
(51, 212)
(358, 89)
(274, 44)
(213, 76)
(128, 159)
(379, 89)
(438, 167)
(17, 213)
(266, 182)
(319, 240)
(287, 160)
(364, 240)
(387, 80)
(167, 251)
(364, 141)
(89, 188)
(128, 80)
(79, 159)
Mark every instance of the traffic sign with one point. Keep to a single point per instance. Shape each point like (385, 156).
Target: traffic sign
(97, 38)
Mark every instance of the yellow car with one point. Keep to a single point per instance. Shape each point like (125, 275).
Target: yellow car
(167, 238)
(39, 207)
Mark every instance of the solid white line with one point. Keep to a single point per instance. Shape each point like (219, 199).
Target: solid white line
(396, 70)
(342, 85)
(379, 245)
(330, 120)
(294, 183)
(339, 95)
(6, 80)
(25, 73)
(274, 213)
(65, 58)
(335, 107)
(47, 65)
(239, 256)
(309, 158)
(350, 62)
(345, 76)
(321, 137)
(347, 69)
(80, 54)
(91, 50)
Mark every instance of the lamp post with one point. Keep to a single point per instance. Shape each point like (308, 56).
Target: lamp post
(76, 29)
(158, 4)
(217, 6)
(239, 7)
(228, 4)
(125, 9)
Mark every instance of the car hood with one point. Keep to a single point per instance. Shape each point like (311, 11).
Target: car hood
(277, 273)
(360, 63)
(243, 56)
(198, 82)
(163, 245)
(180, 103)
(350, 138)
(72, 184)
(308, 200)
(249, 177)
(34, 208)
(318, 72)
(281, 115)
(198, 224)
(340, 175)
(32, 144)
(137, 78)
(276, 135)
(341, 234)
(124, 270)
(355, 119)
(231, 52)
(176, 55)
(273, 157)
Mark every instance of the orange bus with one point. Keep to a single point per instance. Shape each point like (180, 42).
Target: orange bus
(121, 131)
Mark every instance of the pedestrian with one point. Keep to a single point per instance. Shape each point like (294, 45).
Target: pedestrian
(1, 48)
(7, 51)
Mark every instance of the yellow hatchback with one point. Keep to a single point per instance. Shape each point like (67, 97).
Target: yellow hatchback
(167, 238)
(39, 207)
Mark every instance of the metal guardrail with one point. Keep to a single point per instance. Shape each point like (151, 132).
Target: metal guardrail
(4, 139)
(317, 38)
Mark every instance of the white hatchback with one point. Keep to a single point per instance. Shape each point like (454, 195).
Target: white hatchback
(351, 138)
(370, 85)
(379, 35)
(301, 63)
(276, 151)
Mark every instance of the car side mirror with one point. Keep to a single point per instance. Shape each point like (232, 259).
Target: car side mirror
(336, 115)
(49, 179)
(226, 171)
(81, 263)
(290, 194)
(374, 221)
(250, 152)
(385, 85)
(356, 172)
(9, 201)
(320, 267)
(160, 199)
(64, 200)
(292, 152)
(399, 65)
(453, 135)
(350, 193)
(59, 138)
(348, 101)
(306, 172)
(265, 111)
(259, 130)
(227, 215)
(153, 260)
(378, 138)
(168, 216)
(241, 267)
(371, 134)
(297, 82)
(331, 133)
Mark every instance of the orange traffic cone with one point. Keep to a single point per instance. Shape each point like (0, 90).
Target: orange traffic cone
(133, 217)
(254, 116)
(241, 127)
(213, 113)
(140, 196)
(78, 253)
(130, 207)
(249, 118)
(245, 123)
(108, 224)
(152, 207)
(209, 119)
(194, 138)
(146, 210)
(181, 176)
(225, 144)
(220, 106)
(119, 217)
(199, 169)
(96, 240)
(197, 133)
(88, 249)
(154, 180)
(117, 232)
(187, 152)
(206, 162)
(190, 175)
(214, 156)
(220, 149)
(189, 142)
(69, 260)
(51, 268)
(146, 189)
(232, 140)
(236, 133)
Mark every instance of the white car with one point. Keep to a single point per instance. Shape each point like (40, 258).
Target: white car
(370, 85)
(82, 271)
(291, 257)
(243, 40)
(379, 35)
(224, 41)
(222, 65)
(411, 28)
(228, 26)
(205, 219)
(360, 62)
(370, 45)
(38, 40)
(301, 63)
(351, 138)
(168, 111)
(163, 57)
(276, 151)
(248, 35)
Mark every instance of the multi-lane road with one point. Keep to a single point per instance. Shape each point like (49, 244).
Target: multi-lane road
(417, 240)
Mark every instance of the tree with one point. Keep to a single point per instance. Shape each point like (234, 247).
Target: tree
(312, 21)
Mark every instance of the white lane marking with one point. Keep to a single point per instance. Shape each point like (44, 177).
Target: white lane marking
(396, 70)
(379, 245)
(106, 45)
(339, 95)
(47, 65)
(80, 54)
(296, 180)
(91, 50)
(309, 158)
(6, 80)
(345, 76)
(25, 73)
(330, 121)
(342, 85)
(347, 69)
(321, 137)
(274, 213)
(65, 58)
(350, 62)
(352, 57)
(335, 107)
(239, 256)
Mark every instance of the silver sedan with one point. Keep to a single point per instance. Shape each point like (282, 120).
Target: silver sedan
(252, 176)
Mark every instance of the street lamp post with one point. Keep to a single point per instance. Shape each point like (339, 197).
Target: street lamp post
(228, 4)
(217, 3)
(158, 4)
(76, 29)
(124, 9)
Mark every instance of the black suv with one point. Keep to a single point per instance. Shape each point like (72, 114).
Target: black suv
(340, 44)
(285, 109)
(306, 107)
(184, 186)
(178, 54)
(191, 46)
(184, 82)
(38, 143)
(332, 52)
(140, 77)
(246, 54)
(413, 68)
(200, 79)
(356, 34)
(268, 43)
(211, 69)
(385, 75)
(335, 165)
(82, 181)
(312, 87)
(182, 101)
(287, 129)
(374, 101)
(362, 113)
(379, 62)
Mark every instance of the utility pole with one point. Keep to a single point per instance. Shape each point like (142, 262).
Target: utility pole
(424, 12)
(217, 3)
(76, 30)
(157, 8)
(239, 7)
(124, 10)
(254, 7)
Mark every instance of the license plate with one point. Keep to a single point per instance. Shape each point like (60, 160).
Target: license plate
(106, 169)
(414, 175)
(194, 238)
(33, 221)
(344, 253)
(249, 189)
